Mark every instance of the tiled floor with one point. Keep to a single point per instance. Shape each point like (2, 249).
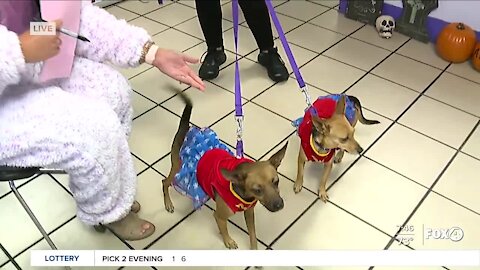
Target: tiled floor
(419, 168)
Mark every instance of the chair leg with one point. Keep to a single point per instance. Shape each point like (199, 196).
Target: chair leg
(32, 216)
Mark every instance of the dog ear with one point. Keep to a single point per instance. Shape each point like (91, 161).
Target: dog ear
(341, 105)
(276, 159)
(320, 125)
(235, 176)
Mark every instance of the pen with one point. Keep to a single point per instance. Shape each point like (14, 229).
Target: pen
(69, 33)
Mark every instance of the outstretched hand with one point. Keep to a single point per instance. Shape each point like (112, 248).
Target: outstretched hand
(177, 66)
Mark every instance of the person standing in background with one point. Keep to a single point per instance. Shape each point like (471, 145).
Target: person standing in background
(256, 14)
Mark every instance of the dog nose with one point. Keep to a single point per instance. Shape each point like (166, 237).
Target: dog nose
(278, 204)
(359, 149)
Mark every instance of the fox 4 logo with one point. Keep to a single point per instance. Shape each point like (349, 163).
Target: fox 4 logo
(454, 234)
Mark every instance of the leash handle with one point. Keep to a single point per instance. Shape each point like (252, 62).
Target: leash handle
(238, 91)
(288, 52)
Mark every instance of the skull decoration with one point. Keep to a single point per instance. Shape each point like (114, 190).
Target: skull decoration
(385, 25)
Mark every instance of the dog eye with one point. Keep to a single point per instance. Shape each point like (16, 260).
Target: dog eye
(257, 191)
(343, 140)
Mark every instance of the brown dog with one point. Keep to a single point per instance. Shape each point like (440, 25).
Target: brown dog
(199, 158)
(329, 128)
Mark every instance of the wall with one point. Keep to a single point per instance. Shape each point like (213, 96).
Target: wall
(466, 11)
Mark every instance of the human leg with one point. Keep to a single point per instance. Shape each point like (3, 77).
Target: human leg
(210, 16)
(258, 19)
(50, 127)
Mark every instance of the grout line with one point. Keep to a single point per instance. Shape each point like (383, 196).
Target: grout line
(28, 180)
(169, 230)
(431, 187)
(9, 257)
(49, 234)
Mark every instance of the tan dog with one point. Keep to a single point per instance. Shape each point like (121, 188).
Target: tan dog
(329, 129)
(200, 159)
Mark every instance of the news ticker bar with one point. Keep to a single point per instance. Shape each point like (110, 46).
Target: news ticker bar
(277, 258)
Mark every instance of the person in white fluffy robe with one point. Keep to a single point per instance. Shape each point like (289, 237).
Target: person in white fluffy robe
(79, 124)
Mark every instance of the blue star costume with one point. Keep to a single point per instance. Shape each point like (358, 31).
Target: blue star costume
(197, 142)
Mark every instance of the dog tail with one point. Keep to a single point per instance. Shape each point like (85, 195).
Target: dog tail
(183, 127)
(361, 117)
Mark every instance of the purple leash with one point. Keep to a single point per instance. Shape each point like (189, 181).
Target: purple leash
(288, 52)
(238, 90)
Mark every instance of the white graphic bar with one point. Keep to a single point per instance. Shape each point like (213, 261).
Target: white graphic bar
(98, 258)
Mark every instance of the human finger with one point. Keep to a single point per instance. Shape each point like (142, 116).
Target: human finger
(190, 59)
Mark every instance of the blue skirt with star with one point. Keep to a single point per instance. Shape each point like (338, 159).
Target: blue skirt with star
(197, 142)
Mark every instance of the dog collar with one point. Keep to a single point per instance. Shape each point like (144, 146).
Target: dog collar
(238, 196)
(314, 148)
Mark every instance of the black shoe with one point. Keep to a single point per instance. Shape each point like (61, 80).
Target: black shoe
(211, 64)
(274, 64)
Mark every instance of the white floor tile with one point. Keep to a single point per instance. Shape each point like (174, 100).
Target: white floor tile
(460, 182)
(257, 141)
(270, 225)
(175, 40)
(288, 23)
(325, 226)
(407, 72)
(139, 165)
(301, 10)
(424, 52)
(253, 78)
(358, 191)
(411, 154)
(228, 15)
(357, 53)
(155, 85)
(3, 258)
(152, 134)
(208, 106)
(472, 147)
(286, 99)
(142, 7)
(430, 117)
(313, 37)
(192, 27)
(463, 97)
(173, 14)
(369, 34)
(141, 104)
(151, 26)
(330, 75)
(437, 213)
(465, 70)
(382, 96)
(48, 201)
(5, 187)
(246, 41)
(337, 22)
(121, 13)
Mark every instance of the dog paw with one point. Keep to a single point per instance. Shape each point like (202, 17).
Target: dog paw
(297, 188)
(169, 207)
(323, 196)
(337, 159)
(230, 244)
(258, 267)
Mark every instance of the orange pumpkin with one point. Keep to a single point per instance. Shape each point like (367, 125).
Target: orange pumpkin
(456, 42)
(476, 57)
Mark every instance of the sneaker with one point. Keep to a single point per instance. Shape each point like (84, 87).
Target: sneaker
(210, 67)
(274, 64)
